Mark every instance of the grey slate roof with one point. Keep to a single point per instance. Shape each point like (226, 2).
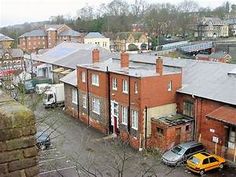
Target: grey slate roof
(211, 80)
(5, 38)
(70, 33)
(215, 21)
(69, 54)
(34, 33)
(70, 78)
(94, 35)
(15, 53)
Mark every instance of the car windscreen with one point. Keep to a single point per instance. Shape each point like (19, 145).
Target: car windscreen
(178, 150)
(194, 160)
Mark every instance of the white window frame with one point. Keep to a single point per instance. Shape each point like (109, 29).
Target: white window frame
(114, 83)
(124, 115)
(84, 101)
(134, 119)
(74, 96)
(169, 86)
(96, 105)
(135, 87)
(125, 88)
(83, 77)
(95, 79)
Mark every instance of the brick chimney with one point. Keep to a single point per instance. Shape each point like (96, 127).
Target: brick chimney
(124, 61)
(159, 66)
(95, 55)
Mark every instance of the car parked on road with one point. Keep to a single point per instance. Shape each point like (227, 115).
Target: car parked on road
(180, 153)
(202, 162)
(43, 140)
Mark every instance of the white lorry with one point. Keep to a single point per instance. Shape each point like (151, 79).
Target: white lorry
(54, 96)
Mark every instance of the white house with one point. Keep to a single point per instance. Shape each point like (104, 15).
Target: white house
(98, 39)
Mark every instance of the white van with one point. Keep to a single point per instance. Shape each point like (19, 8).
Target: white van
(41, 88)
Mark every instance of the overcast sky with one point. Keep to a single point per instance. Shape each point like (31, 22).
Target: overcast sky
(20, 11)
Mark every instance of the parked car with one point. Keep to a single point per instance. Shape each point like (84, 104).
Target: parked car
(180, 153)
(43, 140)
(202, 162)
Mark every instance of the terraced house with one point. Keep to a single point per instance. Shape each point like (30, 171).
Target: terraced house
(158, 104)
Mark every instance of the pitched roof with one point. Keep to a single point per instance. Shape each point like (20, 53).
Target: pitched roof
(70, 32)
(125, 35)
(215, 21)
(94, 35)
(218, 55)
(34, 33)
(5, 38)
(226, 114)
(70, 78)
(15, 53)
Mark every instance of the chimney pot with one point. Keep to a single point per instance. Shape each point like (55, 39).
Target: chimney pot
(95, 55)
(124, 61)
(159, 66)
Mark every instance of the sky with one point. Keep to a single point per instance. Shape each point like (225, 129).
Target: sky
(20, 11)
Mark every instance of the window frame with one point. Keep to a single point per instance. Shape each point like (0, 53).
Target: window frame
(74, 96)
(95, 79)
(188, 108)
(96, 106)
(114, 83)
(83, 77)
(169, 86)
(125, 87)
(136, 87)
(134, 119)
(84, 101)
(124, 115)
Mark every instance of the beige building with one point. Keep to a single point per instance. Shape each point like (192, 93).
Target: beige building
(131, 41)
(5, 41)
(98, 39)
(211, 27)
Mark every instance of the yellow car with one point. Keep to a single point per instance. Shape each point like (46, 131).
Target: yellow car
(202, 162)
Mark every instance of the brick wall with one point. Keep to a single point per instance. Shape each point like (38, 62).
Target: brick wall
(70, 108)
(18, 153)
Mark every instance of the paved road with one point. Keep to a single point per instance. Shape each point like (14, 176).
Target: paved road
(78, 150)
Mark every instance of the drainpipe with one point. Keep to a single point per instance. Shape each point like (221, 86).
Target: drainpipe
(77, 101)
(129, 107)
(88, 107)
(195, 121)
(109, 101)
(145, 136)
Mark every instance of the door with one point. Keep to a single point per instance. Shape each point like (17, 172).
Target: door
(177, 135)
(114, 117)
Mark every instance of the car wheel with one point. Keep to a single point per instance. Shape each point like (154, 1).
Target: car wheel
(202, 172)
(221, 166)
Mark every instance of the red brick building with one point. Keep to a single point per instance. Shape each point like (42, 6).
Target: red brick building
(215, 56)
(47, 37)
(120, 98)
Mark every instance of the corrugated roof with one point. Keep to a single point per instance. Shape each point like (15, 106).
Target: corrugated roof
(94, 35)
(224, 114)
(70, 78)
(5, 38)
(34, 33)
(70, 33)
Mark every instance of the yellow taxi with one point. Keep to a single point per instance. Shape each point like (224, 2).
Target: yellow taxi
(202, 162)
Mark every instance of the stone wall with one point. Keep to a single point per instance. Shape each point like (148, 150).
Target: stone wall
(18, 153)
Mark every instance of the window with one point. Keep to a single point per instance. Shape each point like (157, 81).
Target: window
(205, 161)
(95, 80)
(83, 76)
(232, 135)
(187, 128)
(96, 105)
(125, 86)
(135, 87)
(212, 159)
(134, 117)
(74, 96)
(114, 84)
(84, 101)
(124, 111)
(188, 109)
(170, 86)
(160, 131)
(115, 109)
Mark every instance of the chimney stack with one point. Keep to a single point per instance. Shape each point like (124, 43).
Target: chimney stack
(124, 61)
(159, 66)
(95, 55)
